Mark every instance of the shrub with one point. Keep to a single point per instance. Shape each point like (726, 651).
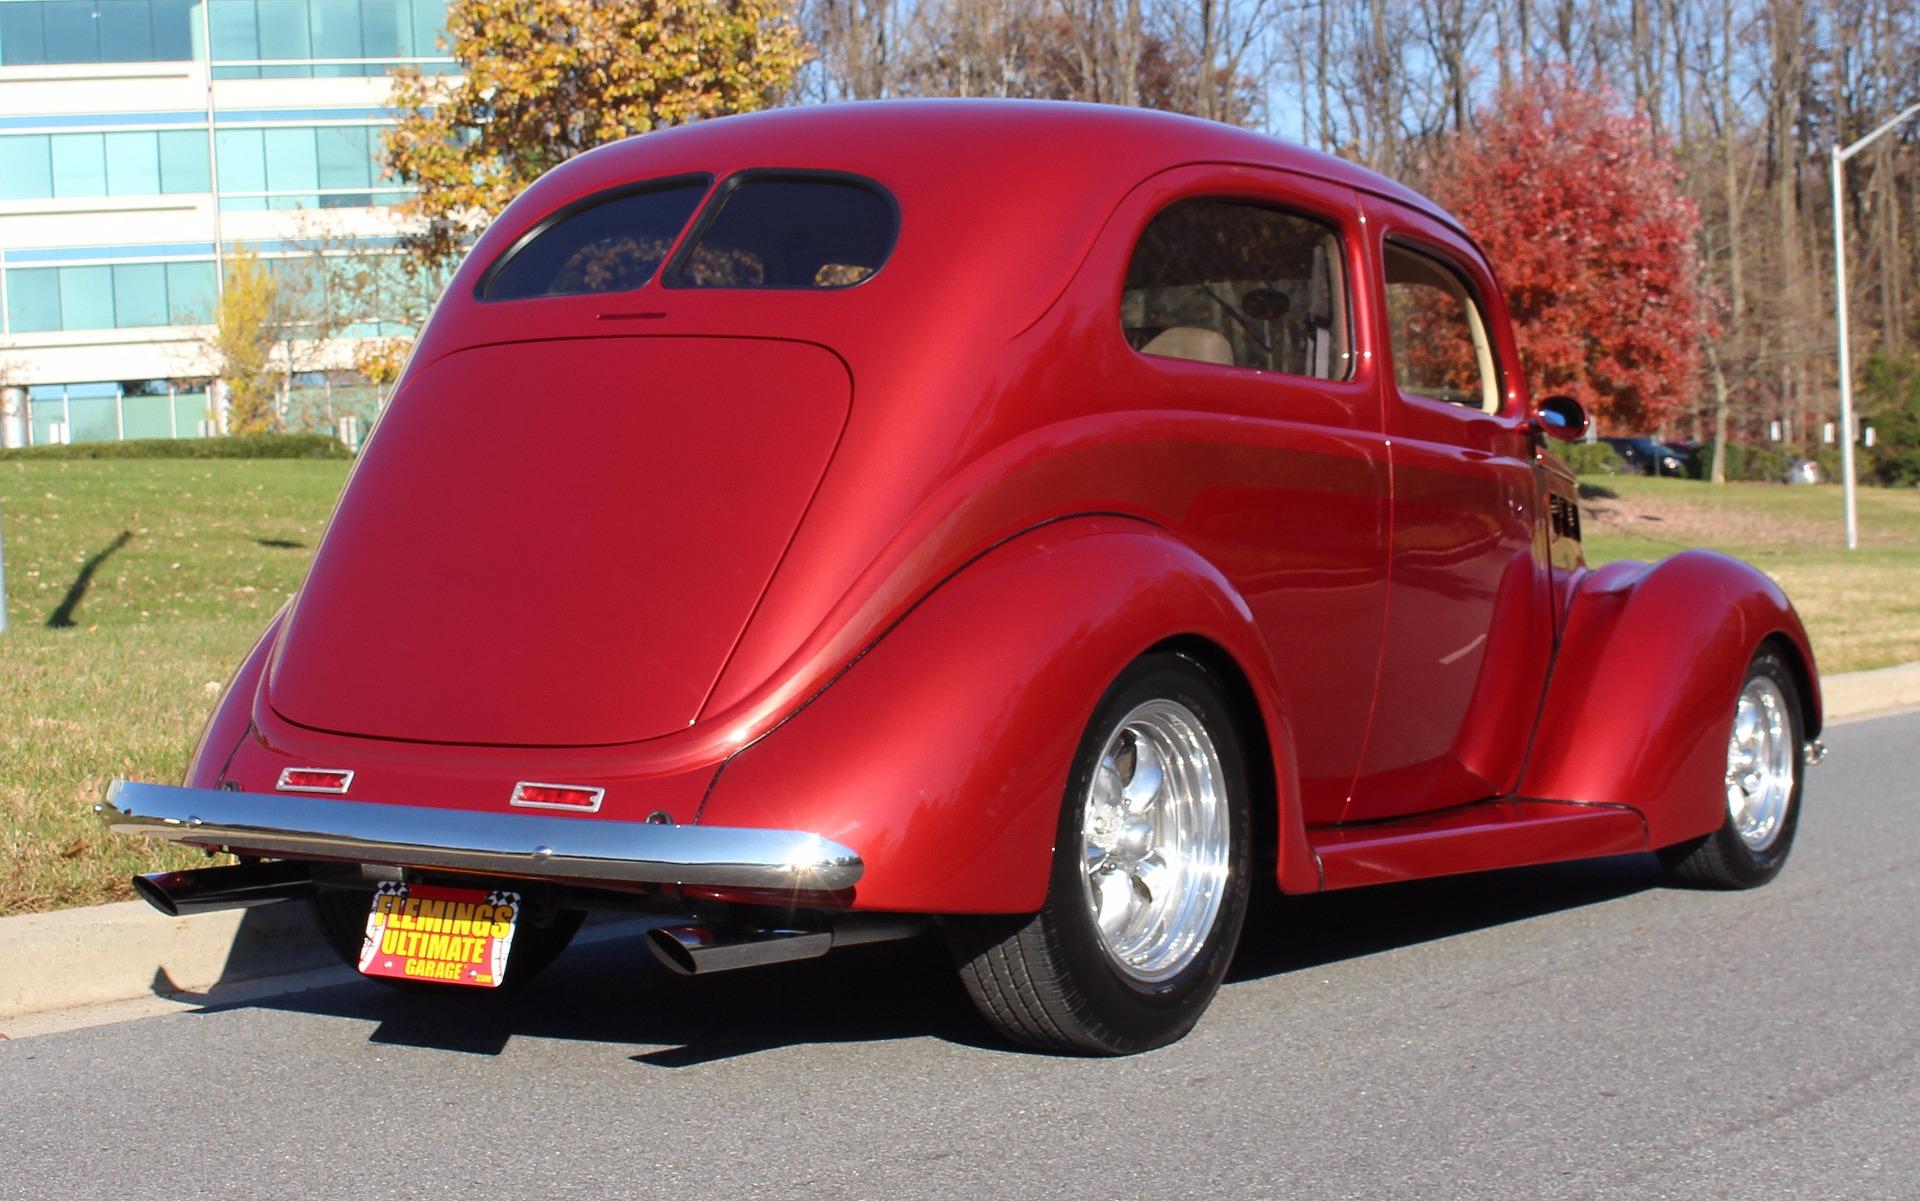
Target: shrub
(1592, 458)
(1891, 395)
(1768, 463)
(245, 446)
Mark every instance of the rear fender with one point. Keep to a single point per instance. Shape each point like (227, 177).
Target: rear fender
(233, 713)
(1641, 699)
(942, 754)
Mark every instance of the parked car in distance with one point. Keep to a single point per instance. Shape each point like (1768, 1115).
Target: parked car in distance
(1648, 456)
(1039, 526)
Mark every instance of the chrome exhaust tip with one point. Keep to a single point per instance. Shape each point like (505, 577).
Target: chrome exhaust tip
(210, 889)
(698, 949)
(695, 949)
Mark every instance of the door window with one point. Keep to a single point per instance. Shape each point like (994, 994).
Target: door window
(1440, 346)
(1239, 284)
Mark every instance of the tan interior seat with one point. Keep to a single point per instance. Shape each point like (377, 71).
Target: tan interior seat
(1191, 342)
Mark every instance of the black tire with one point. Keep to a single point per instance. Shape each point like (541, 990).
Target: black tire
(1723, 859)
(1048, 980)
(342, 916)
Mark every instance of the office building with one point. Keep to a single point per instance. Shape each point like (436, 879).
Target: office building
(141, 141)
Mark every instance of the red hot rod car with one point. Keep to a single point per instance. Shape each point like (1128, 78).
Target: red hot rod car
(1041, 522)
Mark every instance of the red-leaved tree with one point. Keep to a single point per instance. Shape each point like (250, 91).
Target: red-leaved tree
(1580, 207)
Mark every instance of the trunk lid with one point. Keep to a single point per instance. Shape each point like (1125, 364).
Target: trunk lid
(558, 543)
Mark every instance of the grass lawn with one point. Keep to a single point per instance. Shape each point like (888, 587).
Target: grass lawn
(1861, 607)
(135, 587)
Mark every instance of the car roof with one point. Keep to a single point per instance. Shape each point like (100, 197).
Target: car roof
(1043, 148)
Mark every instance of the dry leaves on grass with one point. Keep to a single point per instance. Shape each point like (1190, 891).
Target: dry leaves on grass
(1694, 523)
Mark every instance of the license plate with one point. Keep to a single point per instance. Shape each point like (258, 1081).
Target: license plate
(444, 935)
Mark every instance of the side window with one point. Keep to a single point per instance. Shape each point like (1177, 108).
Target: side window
(1440, 347)
(608, 243)
(1240, 284)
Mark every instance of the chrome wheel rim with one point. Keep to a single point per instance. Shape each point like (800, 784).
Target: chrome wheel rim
(1155, 837)
(1760, 765)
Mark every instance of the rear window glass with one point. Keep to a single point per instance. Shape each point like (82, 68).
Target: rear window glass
(608, 244)
(1238, 284)
(789, 231)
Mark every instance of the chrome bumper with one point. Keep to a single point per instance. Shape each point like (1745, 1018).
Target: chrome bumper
(513, 844)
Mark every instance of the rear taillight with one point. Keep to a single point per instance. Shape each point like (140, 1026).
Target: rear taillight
(315, 779)
(576, 797)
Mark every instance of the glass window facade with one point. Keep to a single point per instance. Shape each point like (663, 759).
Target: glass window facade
(140, 294)
(145, 295)
(133, 164)
(246, 32)
(79, 164)
(86, 297)
(26, 169)
(38, 166)
(53, 32)
(33, 301)
(43, 32)
(307, 166)
(190, 292)
(116, 296)
(183, 160)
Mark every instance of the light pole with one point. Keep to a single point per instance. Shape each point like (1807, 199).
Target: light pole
(1840, 157)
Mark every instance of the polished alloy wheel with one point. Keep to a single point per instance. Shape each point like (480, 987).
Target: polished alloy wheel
(1155, 841)
(1760, 763)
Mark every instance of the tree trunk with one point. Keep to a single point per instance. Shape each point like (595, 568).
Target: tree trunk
(1718, 474)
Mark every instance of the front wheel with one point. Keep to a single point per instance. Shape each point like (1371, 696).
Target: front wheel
(1149, 883)
(1765, 769)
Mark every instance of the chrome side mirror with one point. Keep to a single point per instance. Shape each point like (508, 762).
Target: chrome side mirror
(1561, 417)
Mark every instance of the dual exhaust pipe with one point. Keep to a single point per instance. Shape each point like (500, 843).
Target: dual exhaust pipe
(209, 889)
(686, 948)
(698, 949)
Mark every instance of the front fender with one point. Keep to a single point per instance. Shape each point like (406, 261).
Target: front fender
(1643, 688)
(942, 754)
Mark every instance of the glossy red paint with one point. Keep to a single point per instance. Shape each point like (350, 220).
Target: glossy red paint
(959, 808)
(488, 584)
(1474, 838)
(1614, 732)
(862, 562)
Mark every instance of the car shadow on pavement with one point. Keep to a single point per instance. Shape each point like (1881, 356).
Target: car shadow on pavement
(613, 991)
(610, 990)
(1287, 934)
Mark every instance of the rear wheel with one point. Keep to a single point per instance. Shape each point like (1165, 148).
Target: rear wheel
(1765, 768)
(1149, 883)
(342, 916)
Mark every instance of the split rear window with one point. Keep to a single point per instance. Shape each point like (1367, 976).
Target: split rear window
(760, 230)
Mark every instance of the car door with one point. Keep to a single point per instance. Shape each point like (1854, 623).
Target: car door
(1469, 619)
(1238, 306)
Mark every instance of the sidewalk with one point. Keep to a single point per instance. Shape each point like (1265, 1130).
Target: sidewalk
(118, 953)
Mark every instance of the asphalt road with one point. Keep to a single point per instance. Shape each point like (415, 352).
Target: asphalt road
(1575, 1031)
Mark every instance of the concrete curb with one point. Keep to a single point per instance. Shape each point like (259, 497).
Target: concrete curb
(1856, 694)
(117, 953)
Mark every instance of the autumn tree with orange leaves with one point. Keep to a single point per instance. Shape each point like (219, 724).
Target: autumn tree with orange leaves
(544, 80)
(1580, 206)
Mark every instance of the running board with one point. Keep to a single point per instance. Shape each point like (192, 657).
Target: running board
(1473, 838)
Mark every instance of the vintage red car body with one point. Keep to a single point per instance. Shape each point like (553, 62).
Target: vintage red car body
(861, 562)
